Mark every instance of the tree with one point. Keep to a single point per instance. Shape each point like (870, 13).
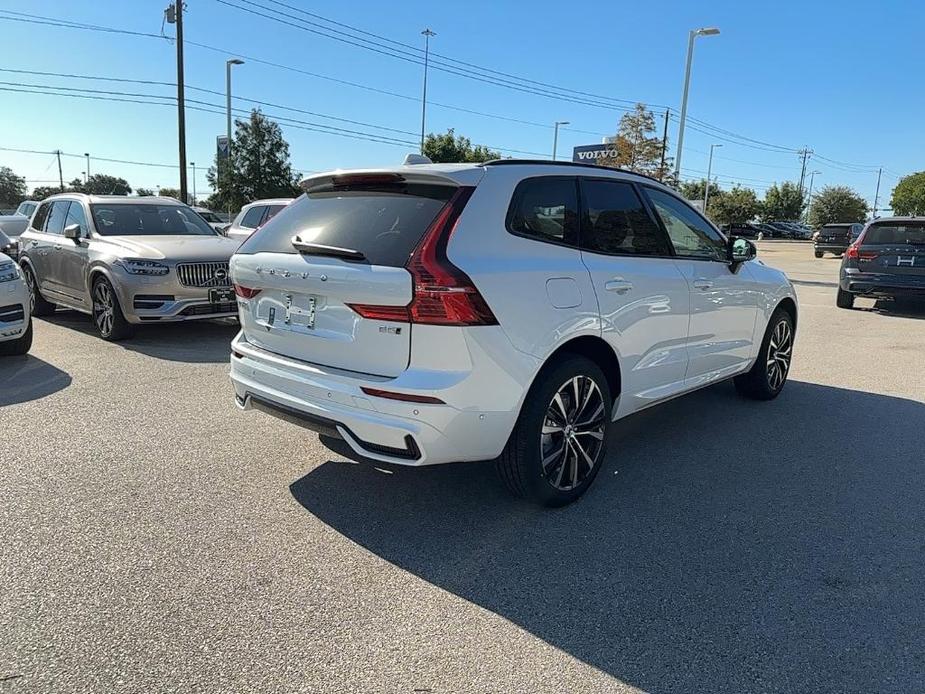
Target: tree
(449, 148)
(783, 202)
(101, 184)
(638, 146)
(12, 187)
(835, 204)
(734, 206)
(909, 195)
(258, 167)
(144, 192)
(42, 192)
(170, 193)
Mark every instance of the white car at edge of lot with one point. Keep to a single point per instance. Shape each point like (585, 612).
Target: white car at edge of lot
(253, 216)
(15, 309)
(510, 310)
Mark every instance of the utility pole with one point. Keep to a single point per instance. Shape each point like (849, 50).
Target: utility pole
(661, 167)
(60, 175)
(174, 14)
(706, 188)
(427, 33)
(193, 167)
(805, 152)
(877, 194)
(87, 155)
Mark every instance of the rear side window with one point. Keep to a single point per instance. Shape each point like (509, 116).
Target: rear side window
(252, 217)
(895, 234)
(272, 211)
(57, 216)
(546, 208)
(38, 223)
(384, 222)
(616, 221)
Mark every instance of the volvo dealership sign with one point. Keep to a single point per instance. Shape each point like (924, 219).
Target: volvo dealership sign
(592, 154)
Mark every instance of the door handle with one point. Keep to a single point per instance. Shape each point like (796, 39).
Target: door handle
(57, 247)
(702, 283)
(620, 286)
(33, 243)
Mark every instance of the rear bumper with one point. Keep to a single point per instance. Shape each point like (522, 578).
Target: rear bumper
(874, 285)
(331, 402)
(830, 247)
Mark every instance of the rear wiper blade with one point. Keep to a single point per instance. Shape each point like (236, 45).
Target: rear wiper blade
(320, 249)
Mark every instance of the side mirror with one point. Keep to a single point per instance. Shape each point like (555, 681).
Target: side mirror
(740, 250)
(72, 231)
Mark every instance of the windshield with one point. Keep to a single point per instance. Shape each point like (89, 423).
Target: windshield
(888, 234)
(147, 219)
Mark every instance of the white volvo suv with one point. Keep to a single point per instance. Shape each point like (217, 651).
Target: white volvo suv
(509, 310)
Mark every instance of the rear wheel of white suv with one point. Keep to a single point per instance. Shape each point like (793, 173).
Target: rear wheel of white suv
(558, 443)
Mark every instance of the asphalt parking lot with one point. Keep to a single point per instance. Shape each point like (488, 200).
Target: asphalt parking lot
(155, 539)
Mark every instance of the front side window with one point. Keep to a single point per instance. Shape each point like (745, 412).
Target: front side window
(147, 219)
(56, 217)
(691, 235)
(616, 221)
(546, 209)
(252, 217)
(75, 215)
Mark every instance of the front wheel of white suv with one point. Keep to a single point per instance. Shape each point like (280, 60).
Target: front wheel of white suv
(558, 444)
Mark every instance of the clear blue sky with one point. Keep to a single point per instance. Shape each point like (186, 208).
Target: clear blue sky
(845, 79)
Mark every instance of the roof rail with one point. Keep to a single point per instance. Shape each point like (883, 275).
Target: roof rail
(512, 162)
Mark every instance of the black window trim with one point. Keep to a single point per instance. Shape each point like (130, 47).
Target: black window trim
(263, 213)
(515, 196)
(646, 187)
(582, 214)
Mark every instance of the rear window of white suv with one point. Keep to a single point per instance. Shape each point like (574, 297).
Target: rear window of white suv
(384, 222)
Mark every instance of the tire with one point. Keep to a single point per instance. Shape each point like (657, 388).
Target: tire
(108, 318)
(765, 380)
(20, 345)
(844, 299)
(40, 307)
(818, 254)
(567, 474)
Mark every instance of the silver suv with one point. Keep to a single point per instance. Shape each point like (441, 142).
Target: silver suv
(125, 261)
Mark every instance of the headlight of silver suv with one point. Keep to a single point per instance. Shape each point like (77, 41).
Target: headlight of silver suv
(9, 271)
(143, 267)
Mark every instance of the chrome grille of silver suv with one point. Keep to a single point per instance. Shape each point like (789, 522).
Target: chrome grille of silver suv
(203, 274)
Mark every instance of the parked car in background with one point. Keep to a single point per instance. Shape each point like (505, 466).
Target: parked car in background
(212, 219)
(14, 224)
(126, 261)
(15, 309)
(835, 238)
(886, 261)
(743, 229)
(453, 312)
(767, 230)
(253, 216)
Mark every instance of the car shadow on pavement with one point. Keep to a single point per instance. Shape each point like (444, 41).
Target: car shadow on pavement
(198, 342)
(897, 309)
(726, 545)
(25, 378)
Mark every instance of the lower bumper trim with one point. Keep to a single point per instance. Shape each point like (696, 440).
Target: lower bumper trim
(328, 427)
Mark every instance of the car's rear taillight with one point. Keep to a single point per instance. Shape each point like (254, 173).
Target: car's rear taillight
(443, 294)
(852, 253)
(245, 292)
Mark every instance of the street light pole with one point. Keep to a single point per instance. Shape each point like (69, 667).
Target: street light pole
(873, 213)
(706, 188)
(87, 155)
(694, 33)
(193, 167)
(555, 137)
(228, 170)
(427, 33)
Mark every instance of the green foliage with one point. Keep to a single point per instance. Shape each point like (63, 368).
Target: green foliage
(144, 192)
(734, 206)
(449, 148)
(835, 204)
(12, 187)
(639, 148)
(909, 195)
(169, 193)
(783, 202)
(101, 184)
(258, 167)
(694, 190)
(42, 192)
